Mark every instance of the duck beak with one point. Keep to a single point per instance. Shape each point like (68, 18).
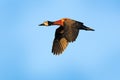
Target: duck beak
(41, 24)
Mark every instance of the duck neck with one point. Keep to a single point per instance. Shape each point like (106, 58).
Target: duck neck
(50, 23)
(59, 22)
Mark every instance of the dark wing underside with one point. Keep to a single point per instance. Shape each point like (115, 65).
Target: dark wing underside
(71, 34)
(71, 30)
(60, 42)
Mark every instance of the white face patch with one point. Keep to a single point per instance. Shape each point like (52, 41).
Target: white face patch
(46, 23)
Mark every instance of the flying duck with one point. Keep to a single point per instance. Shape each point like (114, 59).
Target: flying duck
(66, 32)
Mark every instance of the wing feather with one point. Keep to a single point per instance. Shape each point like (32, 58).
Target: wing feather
(71, 30)
(60, 42)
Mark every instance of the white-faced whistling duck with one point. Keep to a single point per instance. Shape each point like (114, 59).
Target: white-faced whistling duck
(67, 32)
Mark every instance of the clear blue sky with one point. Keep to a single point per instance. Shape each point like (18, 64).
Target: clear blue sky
(25, 47)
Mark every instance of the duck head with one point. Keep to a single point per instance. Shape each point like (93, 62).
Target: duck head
(46, 23)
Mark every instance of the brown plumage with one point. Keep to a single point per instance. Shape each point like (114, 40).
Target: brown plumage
(67, 32)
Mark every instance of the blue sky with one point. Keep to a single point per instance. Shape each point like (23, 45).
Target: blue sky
(25, 47)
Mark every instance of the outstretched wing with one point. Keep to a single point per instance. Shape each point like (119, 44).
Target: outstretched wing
(60, 42)
(71, 29)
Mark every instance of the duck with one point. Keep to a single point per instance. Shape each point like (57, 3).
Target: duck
(67, 32)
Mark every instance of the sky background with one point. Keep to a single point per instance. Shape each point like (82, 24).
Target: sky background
(25, 47)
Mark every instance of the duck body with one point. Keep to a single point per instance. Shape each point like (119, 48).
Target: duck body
(67, 31)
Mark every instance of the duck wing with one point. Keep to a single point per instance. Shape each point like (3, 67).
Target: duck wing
(60, 42)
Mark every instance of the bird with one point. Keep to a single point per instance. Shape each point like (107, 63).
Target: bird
(67, 32)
